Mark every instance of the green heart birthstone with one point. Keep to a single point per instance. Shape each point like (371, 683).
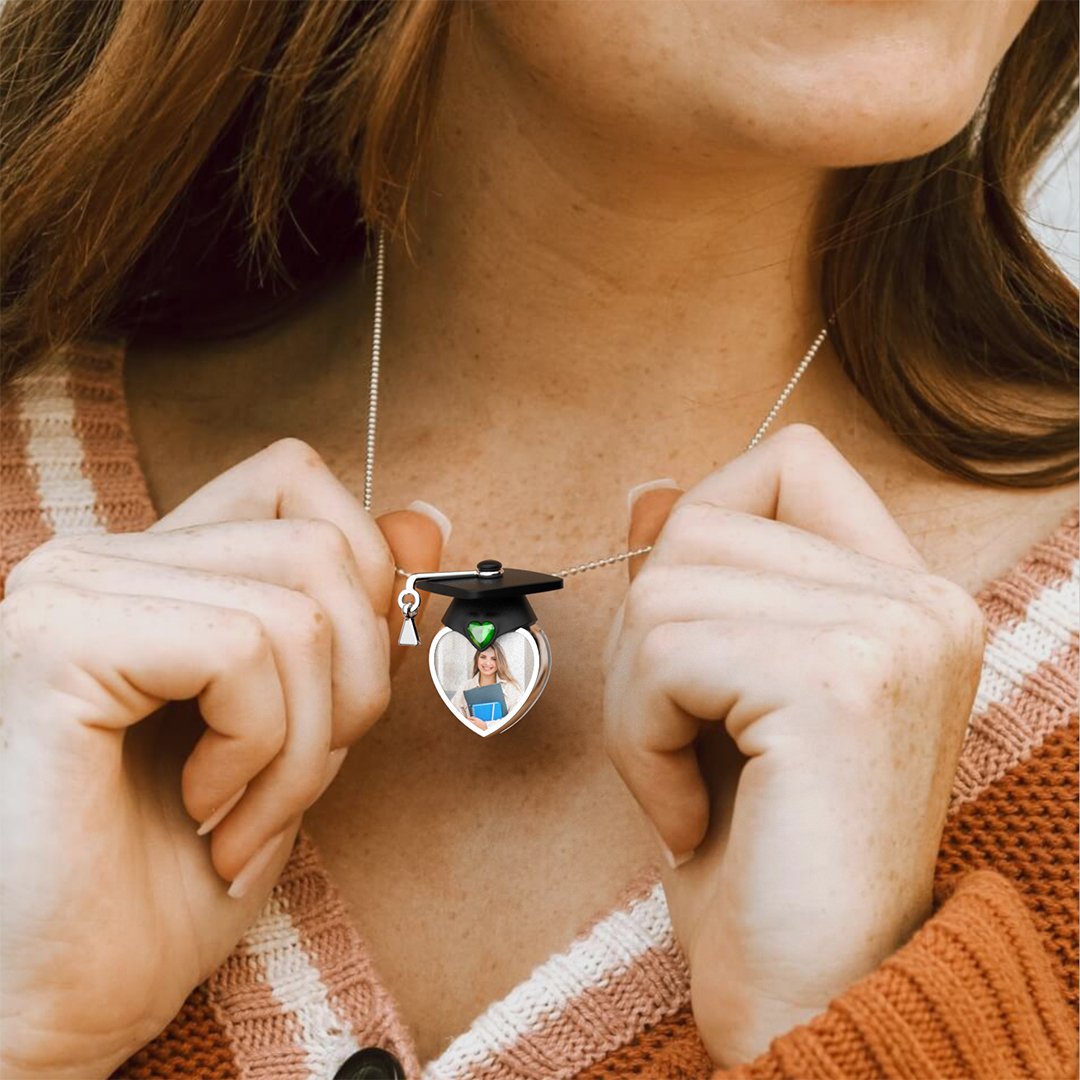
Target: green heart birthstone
(482, 633)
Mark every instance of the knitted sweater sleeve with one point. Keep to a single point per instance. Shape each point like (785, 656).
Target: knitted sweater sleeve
(971, 995)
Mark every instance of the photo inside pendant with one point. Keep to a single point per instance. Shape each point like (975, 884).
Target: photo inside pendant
(485, 685)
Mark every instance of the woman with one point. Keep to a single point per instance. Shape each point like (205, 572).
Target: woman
(489, 668)
(632, 219)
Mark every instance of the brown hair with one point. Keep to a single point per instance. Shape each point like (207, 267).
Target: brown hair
(189, 168)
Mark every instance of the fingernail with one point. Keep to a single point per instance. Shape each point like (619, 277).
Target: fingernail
(255, 866)
(215, 819)
(335, 759)
(673, 860)
(650, 485)
(445, 525)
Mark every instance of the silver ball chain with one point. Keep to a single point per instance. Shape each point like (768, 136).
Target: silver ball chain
(373, 411)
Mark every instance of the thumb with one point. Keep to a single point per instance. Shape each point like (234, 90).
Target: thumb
(416, 537)
(649, 505)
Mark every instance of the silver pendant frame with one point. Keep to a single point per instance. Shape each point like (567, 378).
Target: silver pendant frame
(537, 642)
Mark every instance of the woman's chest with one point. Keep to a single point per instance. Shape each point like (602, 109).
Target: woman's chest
(466, 861)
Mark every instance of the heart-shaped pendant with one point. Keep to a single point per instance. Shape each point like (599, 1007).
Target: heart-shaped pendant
(490, 662)
(515, 666)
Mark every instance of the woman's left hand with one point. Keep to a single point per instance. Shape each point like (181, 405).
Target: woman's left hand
(788, 690)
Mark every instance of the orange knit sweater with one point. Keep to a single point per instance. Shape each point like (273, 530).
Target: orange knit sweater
(986, 989)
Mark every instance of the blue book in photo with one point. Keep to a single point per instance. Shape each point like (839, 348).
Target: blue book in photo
(486, 703)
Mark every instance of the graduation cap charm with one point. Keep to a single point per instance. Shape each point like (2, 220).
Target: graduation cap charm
(490, 662)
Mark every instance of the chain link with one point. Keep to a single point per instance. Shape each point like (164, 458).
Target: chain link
(376, 360)
(373, 410)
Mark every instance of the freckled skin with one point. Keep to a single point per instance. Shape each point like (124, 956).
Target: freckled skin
(843, 695)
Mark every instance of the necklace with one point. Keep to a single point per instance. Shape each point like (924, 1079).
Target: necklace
(489, 629)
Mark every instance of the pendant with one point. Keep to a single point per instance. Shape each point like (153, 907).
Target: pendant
(490, 662)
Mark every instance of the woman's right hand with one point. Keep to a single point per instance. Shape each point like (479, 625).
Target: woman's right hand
(265, 597)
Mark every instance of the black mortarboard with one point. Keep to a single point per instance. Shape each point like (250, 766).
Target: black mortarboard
(497, 597)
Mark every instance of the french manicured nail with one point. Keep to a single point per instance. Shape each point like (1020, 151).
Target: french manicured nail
(635, 493)
(418, 506)
(673, 860)
(216, 818)
(256, 865)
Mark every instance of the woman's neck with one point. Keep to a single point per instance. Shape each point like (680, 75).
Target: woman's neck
(488, 680)
(563, 284)
(554, 258)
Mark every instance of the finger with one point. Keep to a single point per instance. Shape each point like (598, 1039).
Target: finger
(313, 558)
(416, 537)
(797, 476)
(298, 635)
(172, 650)
(256, 878)
(649, 509)
(650, 734)
(714, 643)
(290, 480)
(677, 594)
(657, 763)
(649, 505)
(702, 533)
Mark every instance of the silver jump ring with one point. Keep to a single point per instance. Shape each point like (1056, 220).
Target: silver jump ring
(408, 607)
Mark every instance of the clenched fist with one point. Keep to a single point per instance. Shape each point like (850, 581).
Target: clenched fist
(140, 838)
